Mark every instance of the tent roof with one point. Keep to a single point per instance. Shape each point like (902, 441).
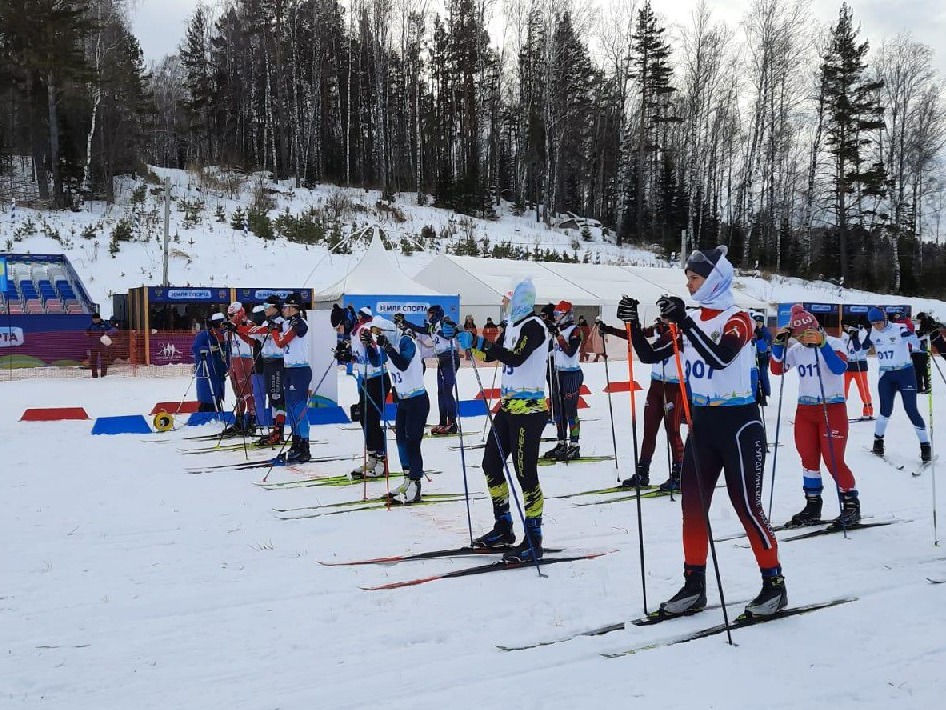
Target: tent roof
(376, 273)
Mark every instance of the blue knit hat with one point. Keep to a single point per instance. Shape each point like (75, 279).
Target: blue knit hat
(875, 315)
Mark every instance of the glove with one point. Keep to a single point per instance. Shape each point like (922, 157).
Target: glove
(850, 329)
(365, 336)
(465, 340)
(672, 308)
(782, 336)
(204, 353)
(553, 329)
(228, 325)
(627, 310)
(398, 318)
(382, 340)
(343, 352)
(448, 330)
(813, 338)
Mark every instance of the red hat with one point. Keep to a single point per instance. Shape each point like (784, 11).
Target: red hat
(563, 306)
(801, 320)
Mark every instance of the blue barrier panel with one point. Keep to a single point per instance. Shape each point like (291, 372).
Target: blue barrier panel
(201, 418)
(131, 424)
(471, 408)
(327, 415)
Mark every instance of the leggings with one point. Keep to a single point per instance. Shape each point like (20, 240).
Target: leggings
(904, 382)
(377, 389)
(273, 372)
(730, 440)
(662, 404)
(446, 378)
(813, 444)
(519, 435)
(297, 398)
(859, 377)
(565, 408)
(409, 432)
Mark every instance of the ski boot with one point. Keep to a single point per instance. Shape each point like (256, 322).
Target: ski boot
(926, 452)
(868, 411)
(639, 479)
(771, 599)
(672, 484)
(444, 429)
(299, 453)
(235, 429)
(499, 537)
(692, 595)
(810, 514)
(556, 452)
(572, 452)
(373, 468)
(530, 549)
(406, 493)
(878, 448)
(850, 511)
(274, 437)
(286, 456)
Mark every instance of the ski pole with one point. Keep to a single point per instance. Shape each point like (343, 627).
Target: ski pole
(607, 379)
(933, 460)
(691, 439)
(492, 388)
(509, 479)
(637, 480)
(828, 433)
(466, 486)
(666, 421)
(186, 391)
(778, 431)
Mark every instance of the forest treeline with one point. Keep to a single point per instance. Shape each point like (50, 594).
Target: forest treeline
(809, 151)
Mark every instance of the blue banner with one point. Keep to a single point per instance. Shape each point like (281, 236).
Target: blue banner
(414, 308)
(188, 294)
(258, 295)
(3, 273)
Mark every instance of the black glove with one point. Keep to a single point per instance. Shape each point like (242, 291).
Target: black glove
(672, 308)
(365, 336)
(627, 310)
(398, 318)
(382, 340)
(343, 352)
(227, 325)
(782, 336)
(553, 329)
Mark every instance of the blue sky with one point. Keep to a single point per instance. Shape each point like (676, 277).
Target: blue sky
(160, 24)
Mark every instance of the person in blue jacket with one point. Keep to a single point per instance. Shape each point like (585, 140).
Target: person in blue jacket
(210, 365)
(762, 339)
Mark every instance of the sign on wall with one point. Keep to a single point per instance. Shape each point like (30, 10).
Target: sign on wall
(414, 308)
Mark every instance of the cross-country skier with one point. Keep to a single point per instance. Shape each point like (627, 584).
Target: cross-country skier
(522, 348)
(293, 339)
(263, 416)
(241, 353)
(271, 355)
(857, 343)
(892, 343)
(210, 365)
(727, 432)
(820, 363)
(374, 385)
(566, 359)
(439, 335)
(662, 404)
(413, 404)
(762, 339)
(928, 327)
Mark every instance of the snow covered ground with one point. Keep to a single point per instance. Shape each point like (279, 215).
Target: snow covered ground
(128, 583)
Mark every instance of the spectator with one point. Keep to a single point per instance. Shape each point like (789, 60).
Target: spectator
(490, 331)
(585, 337)
(99, 344)
(469, 325)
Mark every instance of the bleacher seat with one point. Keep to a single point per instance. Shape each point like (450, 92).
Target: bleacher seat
(54, 306)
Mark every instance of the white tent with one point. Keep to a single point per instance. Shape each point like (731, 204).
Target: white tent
(376, 272)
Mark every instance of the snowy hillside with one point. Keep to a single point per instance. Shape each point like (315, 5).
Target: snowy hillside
(128, 583)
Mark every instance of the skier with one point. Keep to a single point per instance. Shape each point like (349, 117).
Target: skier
(292, 337)
(271, 355)
(856, 344)
(522, 348)
(762, 339)
(210, 365)
(892, 343)
(820, 363)
(930, 328)
(241, 355)
(566, 358)
(258, 379)
(662, 404)
(440, 334)
(374, 386)
(99, 343)
(413, 405)
(727, 432)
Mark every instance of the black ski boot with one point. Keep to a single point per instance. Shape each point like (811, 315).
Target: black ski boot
(850, 511)
(572, 452)
(926, 452)
(771, 599)
(692, 595)
(530, 549)
(810, 514)
(878, 448)
(499, 537)
(639, 479)
(672, 484)
(556, 452)
(300, 451)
